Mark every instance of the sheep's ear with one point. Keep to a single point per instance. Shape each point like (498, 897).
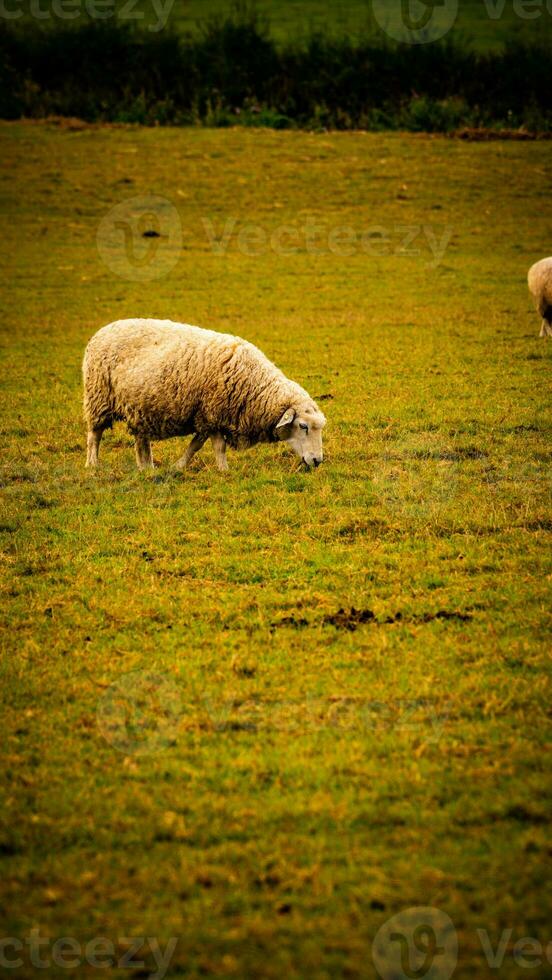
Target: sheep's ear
(287, 419)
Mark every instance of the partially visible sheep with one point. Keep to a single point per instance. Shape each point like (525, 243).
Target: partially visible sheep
(168, 379)
(540, 286)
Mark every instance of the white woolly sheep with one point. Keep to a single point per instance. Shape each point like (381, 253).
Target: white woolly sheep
(168, 379)
(540, 287)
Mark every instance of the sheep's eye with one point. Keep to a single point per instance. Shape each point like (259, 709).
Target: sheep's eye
(304, 426)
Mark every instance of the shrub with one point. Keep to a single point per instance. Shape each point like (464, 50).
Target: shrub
(435, 116)
(232, 73)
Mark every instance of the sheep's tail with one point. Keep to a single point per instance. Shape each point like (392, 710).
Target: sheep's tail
(97, 392)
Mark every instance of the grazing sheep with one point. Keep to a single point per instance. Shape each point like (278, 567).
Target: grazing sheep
(168, 379)
(540, 287)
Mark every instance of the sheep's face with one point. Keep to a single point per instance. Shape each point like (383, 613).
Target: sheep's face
(303, 432)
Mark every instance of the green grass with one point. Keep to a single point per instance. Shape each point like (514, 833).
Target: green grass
(309, 780)
(483, 26)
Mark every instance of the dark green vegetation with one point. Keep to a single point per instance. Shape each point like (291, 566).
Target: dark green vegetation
(316, 769)
(233, 72)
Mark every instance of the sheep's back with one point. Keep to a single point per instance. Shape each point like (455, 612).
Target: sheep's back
(164, 378)
(539, 279)
(167, 379)
(152, 369)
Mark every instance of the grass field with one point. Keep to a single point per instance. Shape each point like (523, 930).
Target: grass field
(264, 713)
(484, 24)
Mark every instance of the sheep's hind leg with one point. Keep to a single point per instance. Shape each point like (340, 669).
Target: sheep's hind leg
(546, 329)
(193, 448)
(219, 445)
(144, 456)
(93, 440)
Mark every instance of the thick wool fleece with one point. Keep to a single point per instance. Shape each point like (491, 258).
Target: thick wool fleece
(540, 286)
(169, 379)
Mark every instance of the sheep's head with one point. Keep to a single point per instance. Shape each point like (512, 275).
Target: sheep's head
(302, 430)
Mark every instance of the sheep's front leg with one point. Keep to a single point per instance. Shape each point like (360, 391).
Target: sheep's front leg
(92, 446)
(194, 447)
(144, 456)
(219, 445)
(546, 329)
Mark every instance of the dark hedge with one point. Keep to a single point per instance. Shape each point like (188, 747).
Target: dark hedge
(233, 72)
